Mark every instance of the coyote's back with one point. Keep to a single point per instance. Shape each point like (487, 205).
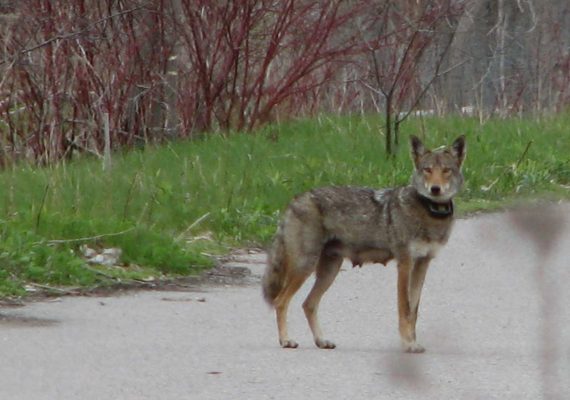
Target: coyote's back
(322, 227)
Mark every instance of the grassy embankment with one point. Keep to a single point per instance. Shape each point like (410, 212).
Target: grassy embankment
(168, 208)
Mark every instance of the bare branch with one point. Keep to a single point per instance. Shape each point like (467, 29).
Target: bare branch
(71, 35)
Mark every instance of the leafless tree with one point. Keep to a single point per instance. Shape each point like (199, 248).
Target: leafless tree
(404, 61)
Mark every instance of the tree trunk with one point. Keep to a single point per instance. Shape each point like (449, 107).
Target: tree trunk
(388, 117)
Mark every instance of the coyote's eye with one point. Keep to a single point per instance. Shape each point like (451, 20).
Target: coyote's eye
(446, 171)
(427, 170)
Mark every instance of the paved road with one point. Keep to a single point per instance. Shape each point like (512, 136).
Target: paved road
(494, 326)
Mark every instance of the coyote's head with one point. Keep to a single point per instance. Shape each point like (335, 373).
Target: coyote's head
(437, 173)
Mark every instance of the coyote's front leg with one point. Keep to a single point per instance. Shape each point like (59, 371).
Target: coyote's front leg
(417, 279)
(406, 317)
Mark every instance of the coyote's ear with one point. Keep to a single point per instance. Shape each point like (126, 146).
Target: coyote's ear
(458, 149)
(417, 148)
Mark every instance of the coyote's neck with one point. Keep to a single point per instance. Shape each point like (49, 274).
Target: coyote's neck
(437, 210)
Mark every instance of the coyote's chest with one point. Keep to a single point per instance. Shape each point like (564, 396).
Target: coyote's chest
(423, 248)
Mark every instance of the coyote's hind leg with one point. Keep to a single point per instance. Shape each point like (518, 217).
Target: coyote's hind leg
(326, 272)
(282, 306)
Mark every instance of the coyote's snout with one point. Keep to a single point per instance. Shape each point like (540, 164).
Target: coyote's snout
(322, 227)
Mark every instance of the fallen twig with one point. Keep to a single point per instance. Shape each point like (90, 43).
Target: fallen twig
(194, 224)
(86, 239)
(69, 291)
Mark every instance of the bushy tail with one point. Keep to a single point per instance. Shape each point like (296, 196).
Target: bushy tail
(275, 272)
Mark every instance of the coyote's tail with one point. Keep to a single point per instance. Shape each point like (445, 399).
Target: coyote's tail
(276, 271)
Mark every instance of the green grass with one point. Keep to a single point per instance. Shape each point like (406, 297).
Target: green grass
(169, 207)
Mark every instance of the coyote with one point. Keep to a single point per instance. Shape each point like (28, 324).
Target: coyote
(323, 226)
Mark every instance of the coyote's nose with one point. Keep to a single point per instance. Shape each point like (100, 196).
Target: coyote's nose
(435, 190)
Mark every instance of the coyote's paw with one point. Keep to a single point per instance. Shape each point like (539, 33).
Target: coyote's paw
(325, 344)
(413, 347)
(289, 344)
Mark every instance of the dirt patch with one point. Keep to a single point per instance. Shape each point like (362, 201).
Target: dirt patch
(20, 321)
(218, 276)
